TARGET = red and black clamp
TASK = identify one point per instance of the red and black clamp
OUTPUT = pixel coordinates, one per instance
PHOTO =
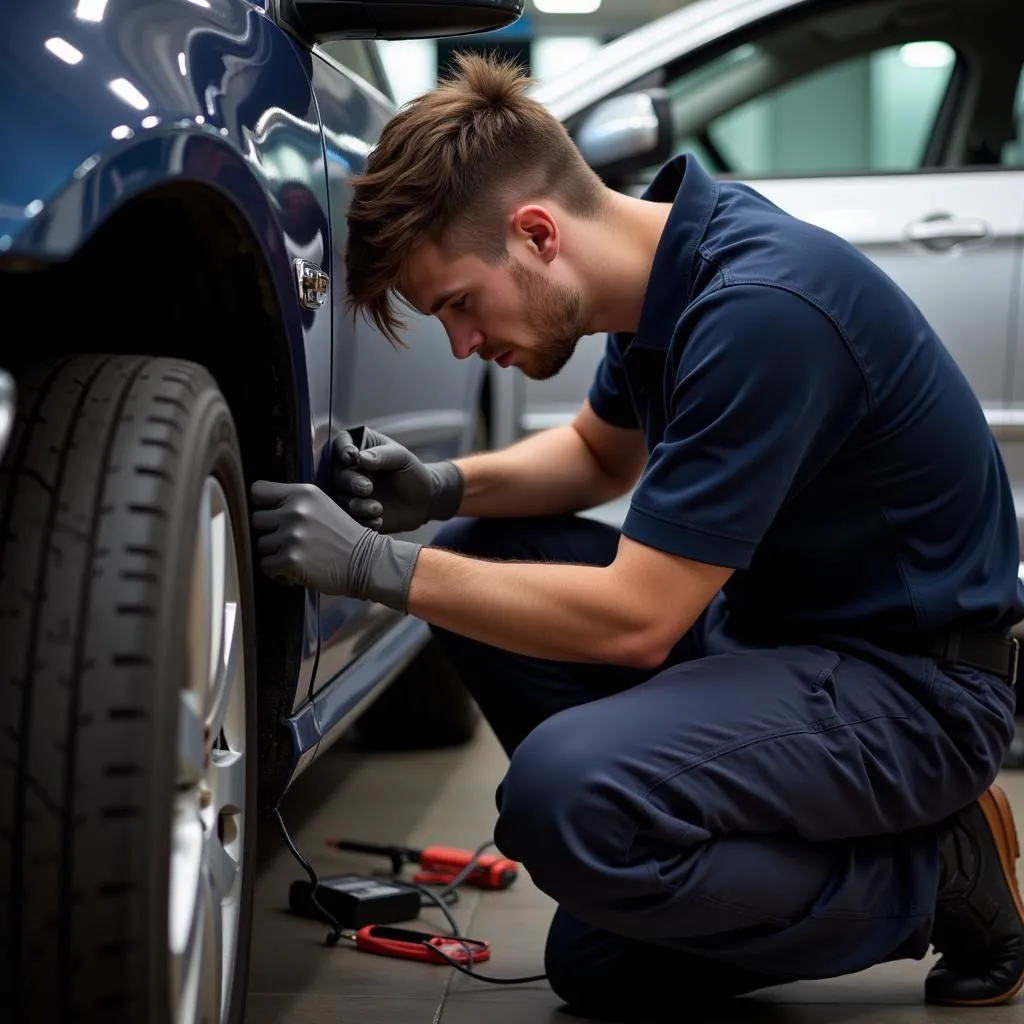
(427, 947)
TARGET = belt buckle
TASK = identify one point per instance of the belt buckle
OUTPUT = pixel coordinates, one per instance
(1015, 643)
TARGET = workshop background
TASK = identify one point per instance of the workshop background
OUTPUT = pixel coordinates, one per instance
(209, 146)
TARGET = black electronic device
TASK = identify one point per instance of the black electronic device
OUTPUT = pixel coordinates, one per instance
(356, 900)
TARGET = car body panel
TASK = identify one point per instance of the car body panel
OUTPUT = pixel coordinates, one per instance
(213, 93)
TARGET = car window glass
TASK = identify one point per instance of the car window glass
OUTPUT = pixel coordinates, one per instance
(1013, 152)
(356, 55)
(869, 113)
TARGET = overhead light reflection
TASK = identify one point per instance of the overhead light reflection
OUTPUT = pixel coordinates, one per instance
(567, 6)
(181, 65)
(63, 50)
(90, 10)
(33, 208)
(122, 131)
(151, 121)
(124, 90)
(929, 53)
(200, 3)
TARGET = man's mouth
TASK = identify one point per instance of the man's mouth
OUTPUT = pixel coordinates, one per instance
(505, 358)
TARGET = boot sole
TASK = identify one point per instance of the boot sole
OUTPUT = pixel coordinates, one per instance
(999, 816)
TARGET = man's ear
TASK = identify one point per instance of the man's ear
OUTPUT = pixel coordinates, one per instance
(536, 228)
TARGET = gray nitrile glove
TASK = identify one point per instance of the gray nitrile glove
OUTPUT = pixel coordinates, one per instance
(306, 540)
(384, 486)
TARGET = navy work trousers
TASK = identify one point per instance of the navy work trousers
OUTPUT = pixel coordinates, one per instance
(744, 816)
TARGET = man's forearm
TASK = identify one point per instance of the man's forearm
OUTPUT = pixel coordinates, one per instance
(546, 474)
(561, 612)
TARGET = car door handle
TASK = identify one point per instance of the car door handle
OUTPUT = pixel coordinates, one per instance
(942, 232)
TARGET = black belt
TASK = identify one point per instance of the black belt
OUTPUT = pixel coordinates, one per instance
(987, 652)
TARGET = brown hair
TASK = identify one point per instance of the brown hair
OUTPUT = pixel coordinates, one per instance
(446, 169)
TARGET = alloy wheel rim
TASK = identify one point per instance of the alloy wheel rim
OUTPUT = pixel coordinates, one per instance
(208, 817)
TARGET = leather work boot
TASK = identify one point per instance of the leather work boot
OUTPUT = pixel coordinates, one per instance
(979, 918)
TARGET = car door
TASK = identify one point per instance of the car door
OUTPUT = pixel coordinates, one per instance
(952, 242)
(420, 395)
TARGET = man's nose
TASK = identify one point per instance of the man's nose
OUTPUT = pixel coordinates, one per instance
(465, 341)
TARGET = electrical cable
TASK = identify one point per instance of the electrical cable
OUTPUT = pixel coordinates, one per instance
(468, 869)
(437, 899)
(457, 934)
(334, 937)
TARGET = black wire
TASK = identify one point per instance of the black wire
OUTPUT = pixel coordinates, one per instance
(468, 869)
(484, 977)
(437, 901)
(457, 934)
(333, 937)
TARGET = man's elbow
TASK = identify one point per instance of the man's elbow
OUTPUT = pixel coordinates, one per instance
(642, 648)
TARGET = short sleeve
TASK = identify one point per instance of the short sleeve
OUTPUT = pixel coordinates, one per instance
(609, 393)
(766, 391)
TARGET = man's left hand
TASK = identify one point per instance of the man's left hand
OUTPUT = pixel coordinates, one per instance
(305, 539)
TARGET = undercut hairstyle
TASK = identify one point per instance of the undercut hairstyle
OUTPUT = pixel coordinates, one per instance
(448, 169)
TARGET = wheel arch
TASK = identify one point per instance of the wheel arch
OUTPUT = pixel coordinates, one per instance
(183, 255)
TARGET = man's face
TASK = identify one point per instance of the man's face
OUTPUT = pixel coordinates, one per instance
(509, 313)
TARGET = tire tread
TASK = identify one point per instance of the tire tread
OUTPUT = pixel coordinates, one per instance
(84, 490)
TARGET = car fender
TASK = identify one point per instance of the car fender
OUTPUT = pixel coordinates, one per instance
(208, 93)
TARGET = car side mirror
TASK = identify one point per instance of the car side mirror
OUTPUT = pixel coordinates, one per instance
(319, 21)
(626, 133)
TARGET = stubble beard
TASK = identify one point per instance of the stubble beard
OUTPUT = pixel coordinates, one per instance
(554, 318)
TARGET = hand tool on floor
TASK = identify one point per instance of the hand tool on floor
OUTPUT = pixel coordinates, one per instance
(409, 944)
(441, 865)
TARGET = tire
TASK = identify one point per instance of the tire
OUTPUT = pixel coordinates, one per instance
(113, 801)
(426, 707)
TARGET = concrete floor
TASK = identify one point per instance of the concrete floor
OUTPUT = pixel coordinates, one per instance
(448, 797)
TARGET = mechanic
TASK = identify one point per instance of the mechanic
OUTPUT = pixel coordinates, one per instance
(753, 734)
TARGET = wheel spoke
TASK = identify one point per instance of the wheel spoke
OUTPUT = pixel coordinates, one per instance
(213, 959)
(186, 907)
(187, 838)
(218, 527)
(227, 679)
(224, 871)
(227, 780)
(201, 612)
(191, 741)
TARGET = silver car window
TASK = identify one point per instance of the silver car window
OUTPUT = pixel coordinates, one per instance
(754, 114)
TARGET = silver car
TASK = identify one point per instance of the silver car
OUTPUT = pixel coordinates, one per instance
(894, 123)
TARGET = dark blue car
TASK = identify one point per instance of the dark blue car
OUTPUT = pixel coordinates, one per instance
(174, 178)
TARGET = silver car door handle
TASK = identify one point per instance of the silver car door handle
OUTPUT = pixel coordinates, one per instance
(941, 233)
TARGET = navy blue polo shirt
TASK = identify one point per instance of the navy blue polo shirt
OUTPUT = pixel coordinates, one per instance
(806, 427)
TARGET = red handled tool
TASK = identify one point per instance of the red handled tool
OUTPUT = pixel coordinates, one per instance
(426, 947)
(441, 864)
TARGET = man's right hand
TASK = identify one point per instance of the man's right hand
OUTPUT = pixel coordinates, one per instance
(384, 486)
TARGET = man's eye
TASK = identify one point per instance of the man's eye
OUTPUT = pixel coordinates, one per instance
(459, 303)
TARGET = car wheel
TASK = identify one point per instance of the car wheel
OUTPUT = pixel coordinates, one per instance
(127, 697)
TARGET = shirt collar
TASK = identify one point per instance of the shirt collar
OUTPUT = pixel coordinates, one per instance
(693, 194)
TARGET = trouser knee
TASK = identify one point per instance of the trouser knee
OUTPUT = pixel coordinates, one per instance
(559, 816)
